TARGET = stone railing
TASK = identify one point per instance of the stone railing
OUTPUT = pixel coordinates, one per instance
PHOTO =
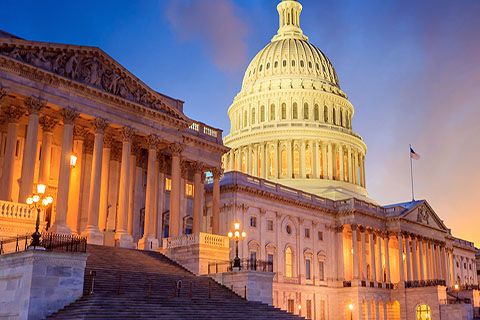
(202, 130)
(14, 210)
(196, 239)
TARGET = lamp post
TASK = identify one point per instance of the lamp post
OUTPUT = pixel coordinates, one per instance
(457, 288)
(236, 235)
(350, 306)
(38, 201)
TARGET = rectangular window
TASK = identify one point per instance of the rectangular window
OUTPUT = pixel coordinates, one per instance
(270, 262)
(309, 309)
(290, 305)
(253, 221)
(307, 269)
(320, 235)
(168, 184)
(253, 260)
(322, 309)
(270, 225)
(189, 189)
(307, 233)
(321, 270)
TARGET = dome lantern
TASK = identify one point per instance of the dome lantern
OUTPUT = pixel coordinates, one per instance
(289, 18)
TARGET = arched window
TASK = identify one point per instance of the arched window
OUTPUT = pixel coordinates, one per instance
(308, 162)
(293, 63)
(320, 157)
(272, 163)
(288, 263)
(316, 115)
(345, 165)
(295, 111)
(305, 111)
(296, 161)
(284, 111)
(244, 163)
(302, 64)
(245, 118)
(423, 312)
(272, 112)
(261, 67)
(253, 115)
(337, 165)
(284, 157)
(325, 114)
(262, 113)
(275, 64)
(334, 118)
(268, 65)
(284, 63)
(188, 225)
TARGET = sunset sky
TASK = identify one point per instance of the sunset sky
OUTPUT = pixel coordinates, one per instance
(410, 68)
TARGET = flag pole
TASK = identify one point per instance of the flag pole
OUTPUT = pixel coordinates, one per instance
(411, 170)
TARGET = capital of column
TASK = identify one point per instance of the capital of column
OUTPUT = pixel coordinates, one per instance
(107, 141)
(176, 148)
(184, 165)
(116, 153)
(79, 133)
(217, 173)
(362, 229)
(197, 166)
(89, 144)
(34, 105)
(127, 134)
(14, 114)
(162, 163)
(48, 123)
(99, 125)
(354, 226)
(338, 229)
(136, 149)
(69, 115)
(3, 93)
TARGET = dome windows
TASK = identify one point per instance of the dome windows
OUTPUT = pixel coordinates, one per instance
(325, 114)
(310, 64)
(262, 114)
(305, 111)
(261, 68)
(268, 65)
(316, 113)
(253, 115)
(318, 66)
(272, 112)
(295, 111)
(293, 63)
(275, 65)
(284, 63)
(284, 111)
(302, 64)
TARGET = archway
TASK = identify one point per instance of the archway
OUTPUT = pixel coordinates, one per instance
(395, 310)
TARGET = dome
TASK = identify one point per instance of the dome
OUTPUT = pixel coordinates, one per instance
(291, 123)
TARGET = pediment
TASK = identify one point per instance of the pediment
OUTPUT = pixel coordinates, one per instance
(92, 67)
(423, 214)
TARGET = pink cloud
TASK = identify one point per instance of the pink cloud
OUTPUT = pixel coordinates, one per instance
(215, 23)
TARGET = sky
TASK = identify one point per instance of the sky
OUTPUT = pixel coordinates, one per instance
(410, 68)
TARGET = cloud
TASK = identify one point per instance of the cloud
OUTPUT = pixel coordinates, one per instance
(215, 23)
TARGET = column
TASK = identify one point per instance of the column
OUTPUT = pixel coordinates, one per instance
(135, 152)
(324, 161)
(289, 159)
(255, 161)
(104, 181)
(34, 106)
(13, 116)
(302, 159)
(197, 196)
(356, 265)
(149, 241)
(263, 162)
(434, 262)
(380, 262)
(409, 257)
(349, 160)
(330, 161)
(276, 167)
(342, 164)
(174, 223)
(79, 134)
(373, 269)
(217, 174)
(122, 237)
(239, 157)
(161, 169)
(364, 254)
(447, 270)
(427, 258)
(363, 172)
(231, 160)
(439, 263)
(47, 124)
(92, 232)
(377, 309)
(249, 160)
(387, 259)
(400, 258)
(60, 223)
(415, 259)
(341, 264)
(420, 246)
(316, 160)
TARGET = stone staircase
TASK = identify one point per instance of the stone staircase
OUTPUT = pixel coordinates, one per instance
(135, 284)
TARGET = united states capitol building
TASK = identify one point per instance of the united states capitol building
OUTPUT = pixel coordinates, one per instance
(291, 170)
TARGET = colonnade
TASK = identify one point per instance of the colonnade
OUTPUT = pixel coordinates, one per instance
(299, 159)
(71, 177)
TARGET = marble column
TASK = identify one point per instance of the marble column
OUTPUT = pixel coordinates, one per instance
(174, 222)
(364, 254)
(447, 270)
(122, 237)
(373, 269)
(380, 262)
(48, 124)
(255, 161)
(92, 232)
(217, 174)
(239, 157)
(324, 161)
(330, 161)
(387, 258)
(434, 262)
(427, 259)
(289, 159)
(302, 159)
(356, 265)
(149, 240)
(34, 106)
(415, 259)
(249, 159)
(276, 171)
(401, 268)
(349, 160)
(231, 160)
(79, 134)
(409, 257)
(135, 152)
(420, 247)
(197, 196)
(13, 117)
(60, 223)
(316, 160)
(342, 163)
(341, 263)
(104, 182)
(439, 264)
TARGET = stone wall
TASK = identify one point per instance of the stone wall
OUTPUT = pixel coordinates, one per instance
(36, 283)
(456, 312)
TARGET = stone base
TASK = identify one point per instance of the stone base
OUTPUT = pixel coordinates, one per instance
(149, 243)
(93, 235)
(60, 229)
(109, 238)
(124, 240)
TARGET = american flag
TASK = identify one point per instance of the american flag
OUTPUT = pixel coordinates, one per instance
(413, 154)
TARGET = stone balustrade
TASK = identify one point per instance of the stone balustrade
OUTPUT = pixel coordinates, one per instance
(196, 239)
(14, 210)
(202, 130)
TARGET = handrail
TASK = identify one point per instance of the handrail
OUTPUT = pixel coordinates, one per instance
(50, 241)
(245, 264)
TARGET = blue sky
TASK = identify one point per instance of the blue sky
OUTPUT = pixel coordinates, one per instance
(410, 68)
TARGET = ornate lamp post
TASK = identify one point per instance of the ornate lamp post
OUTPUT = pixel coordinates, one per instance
(237, 235)
(350, 306)
(38, 201)
(457, 288)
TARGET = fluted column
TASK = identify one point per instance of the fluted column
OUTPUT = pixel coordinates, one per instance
(379, 259)
(217, 174)
(387, 258)
(342, 164)
(263, 162)
(427, 259)
(324, 161)
(255, 161)
(439, 264)
(364, 253)
(401, 268)
(249, 160)
(373, 269)
(239, 157)
(302, 159)
(13, 116)
(409, 257)
(34, 106)
(197, 196)
(60, 223)
(92, 232)
(174, 223)
(316, 160)
(330, 161)
(276, 167)
(104, 182)
(447, 266)
(434, 262)
(420, 247)
(356, 265)
(135, 152)
(79, 134)
(47, 124)
(122, 237)
(349, 160)
(341, 263)
(289, 159)
(415, 259)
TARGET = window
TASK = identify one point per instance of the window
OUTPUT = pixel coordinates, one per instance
(296, 161)
(168, 184)
(290, 305)
(253, 115)
(261, 67)
(270, 225)
(341, 118)
(295, 111)
(245, 119)
(307, 233)
(308, 162)
(275, 64)
(284, 158)
(320, 235)
(284, 63)
(305, 111)
(288, 229)
(253, 221)
(318, 66)
(334, 118)
(189, 189)
(272, 163)
(293, 63)
(302, 63)
(316, 115)
(423, 312)
(309, 309)
(321, 270)
(307, 269)
(288, 263)
(262, 113)
(310, 64)
(284, 111)
(253, 258)
(268, 65)
(272, 112)
(270, 262)
(325, 114)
